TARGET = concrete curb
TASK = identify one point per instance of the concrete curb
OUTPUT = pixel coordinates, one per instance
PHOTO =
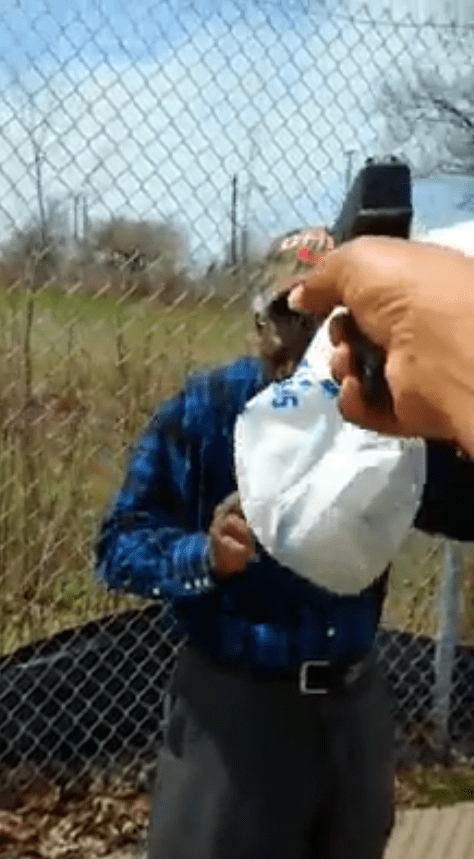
(433, 833)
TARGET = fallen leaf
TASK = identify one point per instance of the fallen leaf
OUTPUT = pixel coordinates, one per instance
(13, 827)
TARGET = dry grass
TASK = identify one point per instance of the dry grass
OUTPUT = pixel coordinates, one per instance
(412, 602)
(80, 373)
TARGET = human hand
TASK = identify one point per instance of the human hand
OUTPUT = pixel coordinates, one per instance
(416, 300)
(232, 543)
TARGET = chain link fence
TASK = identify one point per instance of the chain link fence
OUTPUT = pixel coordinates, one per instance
(148, 156)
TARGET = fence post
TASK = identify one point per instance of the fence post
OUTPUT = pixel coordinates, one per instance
(446, 639)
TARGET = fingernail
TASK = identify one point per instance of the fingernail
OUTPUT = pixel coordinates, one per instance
(294, 298)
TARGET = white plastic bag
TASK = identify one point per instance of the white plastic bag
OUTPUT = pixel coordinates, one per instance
(329, 500)
(459, 237)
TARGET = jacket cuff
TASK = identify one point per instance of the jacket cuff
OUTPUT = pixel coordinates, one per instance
(191, 563)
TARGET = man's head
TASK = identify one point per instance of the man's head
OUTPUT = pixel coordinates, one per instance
(284, 334)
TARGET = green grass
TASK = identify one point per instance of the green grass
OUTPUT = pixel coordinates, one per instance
(80, 373)
(434, 786)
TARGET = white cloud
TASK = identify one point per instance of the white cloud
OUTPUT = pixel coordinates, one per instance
(164, 138)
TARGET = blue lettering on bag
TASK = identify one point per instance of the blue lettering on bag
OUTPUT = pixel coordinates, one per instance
(329, 388)
(285, 397)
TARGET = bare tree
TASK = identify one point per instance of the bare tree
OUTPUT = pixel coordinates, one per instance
(151, 257)
(38, 244)
(430, 120)
(40, 111)
(136, 244)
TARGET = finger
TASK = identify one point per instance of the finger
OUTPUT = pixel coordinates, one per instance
(340, 327)
(343, 326)
(342, 362)
(236, 528)
(355, 410)
(320, 290)
(233, 503)
(230, 504)
(239, 551)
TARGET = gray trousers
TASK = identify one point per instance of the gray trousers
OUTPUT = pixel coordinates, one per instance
(256, 770)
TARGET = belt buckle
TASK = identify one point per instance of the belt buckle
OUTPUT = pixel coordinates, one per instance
(303, 678)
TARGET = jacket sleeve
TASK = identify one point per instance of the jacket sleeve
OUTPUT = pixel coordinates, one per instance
(147, 543)
(447, 504)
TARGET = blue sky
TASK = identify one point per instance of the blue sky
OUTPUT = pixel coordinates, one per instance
(149, 108)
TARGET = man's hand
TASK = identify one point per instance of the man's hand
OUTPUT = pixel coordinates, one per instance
(232, 541)
(416, 300)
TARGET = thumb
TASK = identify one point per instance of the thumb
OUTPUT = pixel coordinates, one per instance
(321, 290)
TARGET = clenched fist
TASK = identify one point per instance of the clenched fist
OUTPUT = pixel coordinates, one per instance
(232, 543)
(415, 300)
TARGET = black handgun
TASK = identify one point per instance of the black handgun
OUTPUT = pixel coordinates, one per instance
(379, 203)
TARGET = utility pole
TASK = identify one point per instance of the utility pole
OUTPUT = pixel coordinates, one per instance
(244, 244)
(85, 218)
(349, 153)
(77, 198)
(39, 193)
(447, 639)
(233, 223)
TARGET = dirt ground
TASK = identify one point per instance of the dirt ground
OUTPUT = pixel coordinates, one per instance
(110, 822)
(101, 824)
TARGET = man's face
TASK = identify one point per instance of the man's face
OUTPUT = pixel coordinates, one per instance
(283, 336)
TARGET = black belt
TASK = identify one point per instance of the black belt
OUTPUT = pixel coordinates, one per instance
(316, 677)
(312, 677)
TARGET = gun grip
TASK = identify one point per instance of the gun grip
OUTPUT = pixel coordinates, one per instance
(370, 362)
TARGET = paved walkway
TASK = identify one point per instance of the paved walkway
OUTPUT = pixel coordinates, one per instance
(434, 833)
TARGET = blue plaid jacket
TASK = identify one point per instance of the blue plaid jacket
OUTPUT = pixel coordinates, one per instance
(153, 540)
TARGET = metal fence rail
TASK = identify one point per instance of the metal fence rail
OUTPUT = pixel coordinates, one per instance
(148, 153)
